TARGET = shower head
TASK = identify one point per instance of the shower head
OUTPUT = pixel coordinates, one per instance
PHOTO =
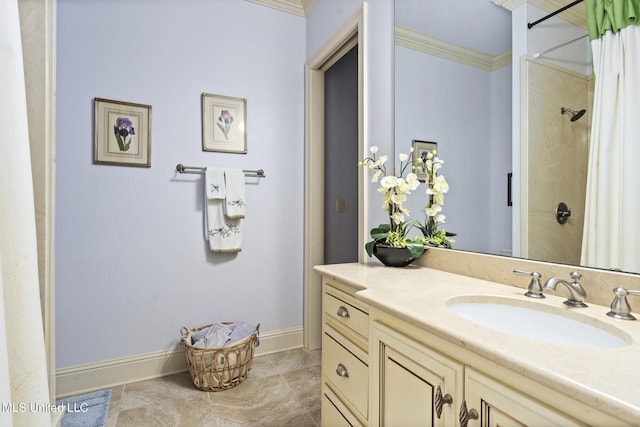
(575, 115)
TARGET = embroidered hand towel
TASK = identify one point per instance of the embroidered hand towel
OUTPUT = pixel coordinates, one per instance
(223, 234)
(235, 194)
(214, 184)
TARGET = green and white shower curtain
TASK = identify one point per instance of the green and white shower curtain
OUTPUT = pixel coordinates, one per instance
(612, 213)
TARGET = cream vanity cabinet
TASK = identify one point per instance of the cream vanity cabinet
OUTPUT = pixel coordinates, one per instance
(414, 384)
(345, 356)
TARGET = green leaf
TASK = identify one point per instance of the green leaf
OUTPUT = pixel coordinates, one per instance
(120, 142)
(384, 227)
(380, 232)
(379, 236)
(369, 247)
(416, 249)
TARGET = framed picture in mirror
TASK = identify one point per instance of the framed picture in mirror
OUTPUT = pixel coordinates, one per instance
(420, 150)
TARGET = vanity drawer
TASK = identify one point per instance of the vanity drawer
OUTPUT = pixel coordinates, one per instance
(347, 374)
(335, 414)
(344, 309)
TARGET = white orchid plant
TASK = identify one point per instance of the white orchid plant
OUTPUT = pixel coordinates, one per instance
(394, 189)
(437, 185)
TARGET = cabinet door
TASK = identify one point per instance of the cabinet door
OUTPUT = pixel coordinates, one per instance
(415, 386)
(499, 405)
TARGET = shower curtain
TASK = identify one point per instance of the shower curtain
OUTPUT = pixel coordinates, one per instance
(612, 211)
(24, 392)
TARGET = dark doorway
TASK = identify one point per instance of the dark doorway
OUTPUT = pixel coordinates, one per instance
(341, 160)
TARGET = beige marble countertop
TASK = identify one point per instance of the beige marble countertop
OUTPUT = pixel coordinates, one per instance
(607, 379)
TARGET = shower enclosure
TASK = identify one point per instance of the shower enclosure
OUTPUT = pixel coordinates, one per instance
(555, 148)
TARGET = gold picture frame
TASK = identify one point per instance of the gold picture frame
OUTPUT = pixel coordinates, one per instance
(420, 148)
(224, 121)
(122, 133)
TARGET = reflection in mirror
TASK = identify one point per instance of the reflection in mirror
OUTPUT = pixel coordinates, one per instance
(456, 83)
(453, 86)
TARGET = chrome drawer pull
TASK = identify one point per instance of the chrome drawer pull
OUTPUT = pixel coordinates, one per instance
(342, 371)
(440, 400)
(343, 312)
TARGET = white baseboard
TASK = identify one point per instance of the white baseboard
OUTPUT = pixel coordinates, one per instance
(110, 373)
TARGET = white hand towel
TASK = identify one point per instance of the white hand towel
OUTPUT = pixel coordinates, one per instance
(214, 184)
(234, 207)
(223, 234)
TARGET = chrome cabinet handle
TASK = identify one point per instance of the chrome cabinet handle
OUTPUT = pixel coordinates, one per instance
(440, 400)
(342, 371)
(466, 415)
(343, 312)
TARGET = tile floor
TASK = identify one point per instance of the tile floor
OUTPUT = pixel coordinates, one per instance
(282, 389)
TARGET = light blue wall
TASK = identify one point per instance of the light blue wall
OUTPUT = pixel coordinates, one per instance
(500, 142)
(467, 111)
(324, 19)
(132, 265)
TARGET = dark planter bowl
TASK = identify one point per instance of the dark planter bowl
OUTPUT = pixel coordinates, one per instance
(393, 257)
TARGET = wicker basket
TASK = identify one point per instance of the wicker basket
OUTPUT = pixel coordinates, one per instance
(214, 369)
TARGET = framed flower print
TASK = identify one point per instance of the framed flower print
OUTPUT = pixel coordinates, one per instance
(420, 150)
(223, 123)
(122, 133)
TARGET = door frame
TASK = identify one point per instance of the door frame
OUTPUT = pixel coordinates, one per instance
(38, 31)
(350, 34)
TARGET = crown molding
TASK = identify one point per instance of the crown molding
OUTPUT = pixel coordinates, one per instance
(576, 15)
(501, 60)
(307, 5)
(415, 40)
(295, 7)
(509, 4)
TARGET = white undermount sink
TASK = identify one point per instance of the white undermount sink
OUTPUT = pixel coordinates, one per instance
(538, 321)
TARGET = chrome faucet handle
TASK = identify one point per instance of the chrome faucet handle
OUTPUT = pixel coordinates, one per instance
(535, 289)
(575, 275)
(620, 308)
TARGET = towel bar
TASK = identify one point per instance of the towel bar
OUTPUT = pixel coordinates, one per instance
(200, 170)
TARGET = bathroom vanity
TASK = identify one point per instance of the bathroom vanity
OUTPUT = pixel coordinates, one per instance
(395, 352)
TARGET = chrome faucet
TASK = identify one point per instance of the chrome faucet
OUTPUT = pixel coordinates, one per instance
(574, 291)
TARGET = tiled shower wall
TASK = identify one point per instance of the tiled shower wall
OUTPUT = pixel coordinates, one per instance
(558, 151)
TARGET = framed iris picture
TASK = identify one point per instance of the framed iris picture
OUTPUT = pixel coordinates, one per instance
(122, 133)
(224, 121)
(420, 150)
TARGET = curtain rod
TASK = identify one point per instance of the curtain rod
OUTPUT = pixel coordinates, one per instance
(562, 9)
(200, 170)
(539, 54)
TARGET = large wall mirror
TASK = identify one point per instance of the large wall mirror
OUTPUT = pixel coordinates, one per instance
(499, 98)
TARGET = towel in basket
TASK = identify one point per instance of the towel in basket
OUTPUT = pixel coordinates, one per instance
(219, 368)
